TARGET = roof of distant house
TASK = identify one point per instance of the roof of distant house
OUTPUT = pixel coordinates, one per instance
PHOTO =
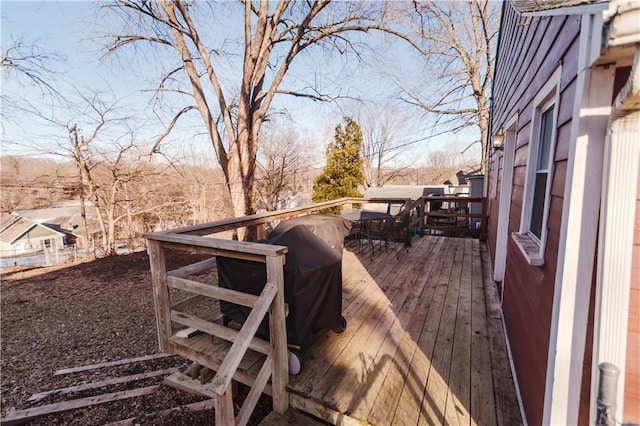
(12, 227)
(47, 215)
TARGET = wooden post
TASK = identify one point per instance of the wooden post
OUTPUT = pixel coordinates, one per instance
(224, 408)
(422, 215)
(160, 293)
(261, 231)
(483, 222)
(278, 336)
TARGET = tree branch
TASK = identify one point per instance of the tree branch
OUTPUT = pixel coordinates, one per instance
(170, 127)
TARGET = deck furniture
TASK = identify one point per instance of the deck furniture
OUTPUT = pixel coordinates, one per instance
(392, 229)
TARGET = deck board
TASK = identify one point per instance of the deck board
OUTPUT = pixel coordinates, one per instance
(365, 350)
(399, 392)
(417, 349)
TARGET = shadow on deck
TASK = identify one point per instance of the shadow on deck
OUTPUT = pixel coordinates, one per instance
(424, 342)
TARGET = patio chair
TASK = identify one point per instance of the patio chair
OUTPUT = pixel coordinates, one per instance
(389, 230)
(355, 234)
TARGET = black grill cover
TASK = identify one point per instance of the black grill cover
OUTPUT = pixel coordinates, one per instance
(312, 283)
(330, 228)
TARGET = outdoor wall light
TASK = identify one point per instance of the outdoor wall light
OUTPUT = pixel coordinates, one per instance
(498, 141)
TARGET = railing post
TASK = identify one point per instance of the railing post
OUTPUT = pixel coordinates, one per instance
(422, 216)
(483, 221)
(160, 292)
(278, 336)
(607, 394)
(223, 405)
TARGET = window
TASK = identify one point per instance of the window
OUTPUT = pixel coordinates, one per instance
(539, 176)
(542, 173)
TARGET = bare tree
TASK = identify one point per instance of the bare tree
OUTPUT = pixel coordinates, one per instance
(108, 161)
(283, 163)
(118, 179)
(456, 40)
(275, 33)
(383, 146)
(28, 60)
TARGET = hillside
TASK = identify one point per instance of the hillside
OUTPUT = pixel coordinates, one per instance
(96, 312)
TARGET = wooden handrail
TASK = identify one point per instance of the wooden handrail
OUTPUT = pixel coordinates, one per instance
(218, 246)
(226, 333)
(260, 218)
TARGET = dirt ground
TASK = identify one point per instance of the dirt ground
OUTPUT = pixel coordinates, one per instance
(100, 311)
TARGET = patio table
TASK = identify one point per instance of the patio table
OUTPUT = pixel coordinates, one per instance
(362, 220)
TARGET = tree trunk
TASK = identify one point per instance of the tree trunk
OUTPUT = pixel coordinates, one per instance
(483, 124)
(240, 180)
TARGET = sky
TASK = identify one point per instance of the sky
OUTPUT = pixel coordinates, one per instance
(71, 31)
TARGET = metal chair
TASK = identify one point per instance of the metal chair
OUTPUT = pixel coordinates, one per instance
(355, 234)
(394, 229)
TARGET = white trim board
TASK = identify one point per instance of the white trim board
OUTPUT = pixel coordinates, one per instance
(578, 234)
(504, 206)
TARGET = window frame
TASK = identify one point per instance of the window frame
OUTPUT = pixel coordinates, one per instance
(532, 247)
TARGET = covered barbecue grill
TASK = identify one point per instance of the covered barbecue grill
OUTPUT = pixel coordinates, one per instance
(312, 284)
(331, 228)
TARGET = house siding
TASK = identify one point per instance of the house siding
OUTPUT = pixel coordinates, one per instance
(529, 53)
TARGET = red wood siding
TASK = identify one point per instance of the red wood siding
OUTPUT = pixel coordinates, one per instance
(528, 54)
(632, 373)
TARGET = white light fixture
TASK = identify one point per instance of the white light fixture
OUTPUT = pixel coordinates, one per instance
(498, 141)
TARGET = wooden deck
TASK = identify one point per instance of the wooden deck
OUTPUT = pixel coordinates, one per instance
(423, 345)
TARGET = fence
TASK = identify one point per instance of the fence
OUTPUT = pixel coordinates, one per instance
(69, 253)
(44, 257)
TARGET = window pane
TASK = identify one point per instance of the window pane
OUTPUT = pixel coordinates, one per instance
(537, 210)
(544, 146)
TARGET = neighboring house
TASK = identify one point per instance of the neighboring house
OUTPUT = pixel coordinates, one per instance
(461, 177)
(19, 235)
(564, 202)
(66, 219)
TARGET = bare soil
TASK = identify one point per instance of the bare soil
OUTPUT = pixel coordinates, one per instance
(100, 311)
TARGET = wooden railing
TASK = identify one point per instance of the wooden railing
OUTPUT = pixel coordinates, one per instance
(453, 216)
(271, 300)
(172, 316)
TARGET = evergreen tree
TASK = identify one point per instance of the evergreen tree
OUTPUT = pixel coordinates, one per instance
(343, 172)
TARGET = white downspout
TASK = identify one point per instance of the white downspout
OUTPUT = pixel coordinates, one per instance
(620, 180)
